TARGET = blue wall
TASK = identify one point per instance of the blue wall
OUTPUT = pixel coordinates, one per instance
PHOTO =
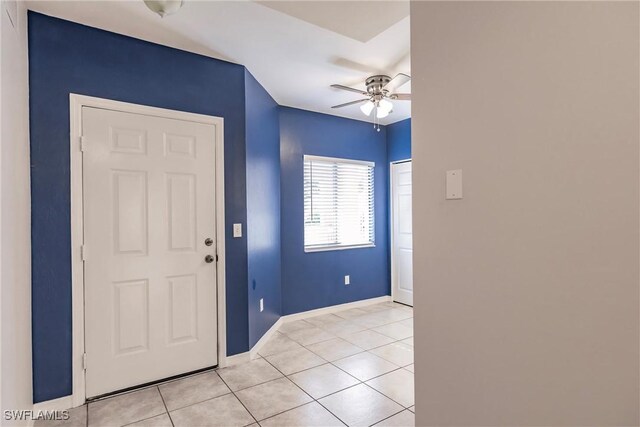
(65, 58)
(263, 208)
(314, 280)
(399, 141)
(264, 145)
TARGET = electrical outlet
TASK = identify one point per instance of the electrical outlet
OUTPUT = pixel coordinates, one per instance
(237, 230)
(261, 304)
(347, 280)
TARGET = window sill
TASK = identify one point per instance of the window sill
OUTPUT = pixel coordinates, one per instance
(337, 248)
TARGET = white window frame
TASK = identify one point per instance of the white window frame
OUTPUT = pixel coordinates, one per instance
(338, 247)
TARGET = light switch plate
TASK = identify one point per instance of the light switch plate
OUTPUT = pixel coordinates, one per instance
(237, 230)
(347, 280)
(261, 304)
(454, 184)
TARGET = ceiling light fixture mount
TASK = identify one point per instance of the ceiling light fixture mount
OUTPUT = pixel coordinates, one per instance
(164, 7)
(380, 90)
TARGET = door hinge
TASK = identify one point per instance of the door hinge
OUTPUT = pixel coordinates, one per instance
(83, 143)
(84, 361)
(83, 252)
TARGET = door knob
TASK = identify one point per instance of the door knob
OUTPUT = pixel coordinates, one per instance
(208, 241)
(209, 259)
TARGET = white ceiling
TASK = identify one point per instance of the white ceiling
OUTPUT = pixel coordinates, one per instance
(294, 49)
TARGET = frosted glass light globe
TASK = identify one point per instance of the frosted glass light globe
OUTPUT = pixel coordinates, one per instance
(164, 7)
(367, 108)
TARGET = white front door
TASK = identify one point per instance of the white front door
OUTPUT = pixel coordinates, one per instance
(149, 206)
(402, 237)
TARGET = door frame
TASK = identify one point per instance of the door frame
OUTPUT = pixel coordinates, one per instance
(76, 102)
(391, 217)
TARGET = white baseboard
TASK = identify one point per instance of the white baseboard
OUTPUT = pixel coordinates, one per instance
(66, 402)
(263, 340)
(312, 313)
(334, 308)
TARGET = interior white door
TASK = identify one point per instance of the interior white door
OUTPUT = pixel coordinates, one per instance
(149, 205)
(402, 236)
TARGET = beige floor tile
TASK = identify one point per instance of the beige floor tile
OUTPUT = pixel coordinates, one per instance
(374, 307)
(126, 408)
(222, 411)
(348, 314)
(396, 385)
(274, 397)
(194, 389)
(406, 308)
(248, 374)
(296, 325)
(323, 380)
(365, 366)
(360, 406)
(407, 322)
(371, 320)
(391, 304)
(408, 341)
(293, 361)
(324, 319)
(403, 419)
(397, 352)
(368, 339)
(309, 415)
(334, 349)
(344, 327)
(157, 421)
(278, 343)
(310, 335)
(77, 418)
(395, 331)
(394, 315)
(337, 337)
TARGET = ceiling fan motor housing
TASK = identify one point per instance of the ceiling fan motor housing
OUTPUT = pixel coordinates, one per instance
(376, 83)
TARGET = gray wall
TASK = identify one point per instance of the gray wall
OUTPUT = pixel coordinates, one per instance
(15, 295)
(527, 289)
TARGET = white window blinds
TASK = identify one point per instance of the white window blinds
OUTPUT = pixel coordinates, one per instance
(338, 203)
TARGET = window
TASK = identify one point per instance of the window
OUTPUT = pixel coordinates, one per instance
(338, 203)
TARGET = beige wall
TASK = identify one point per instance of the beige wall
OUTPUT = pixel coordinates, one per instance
(527, 290)
(15, 295)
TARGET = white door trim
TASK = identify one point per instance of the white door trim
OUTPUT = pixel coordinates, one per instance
(393, 267)
(76, 103)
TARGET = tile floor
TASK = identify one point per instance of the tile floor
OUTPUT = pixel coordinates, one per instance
(353, 367)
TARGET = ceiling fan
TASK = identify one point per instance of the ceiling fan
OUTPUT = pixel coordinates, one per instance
(380, 91)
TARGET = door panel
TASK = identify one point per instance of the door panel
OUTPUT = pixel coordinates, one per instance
(149, 205)
(402, 235)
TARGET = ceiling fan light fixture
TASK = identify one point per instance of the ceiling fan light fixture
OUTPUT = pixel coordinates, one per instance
(367, 108)
(380, 90)
(384, 108)
(163, 7)
(381, 114)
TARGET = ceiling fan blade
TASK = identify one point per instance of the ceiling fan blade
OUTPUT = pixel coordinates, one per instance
(350, 103)
(396, 82)
(401, 96)
(350, 89)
